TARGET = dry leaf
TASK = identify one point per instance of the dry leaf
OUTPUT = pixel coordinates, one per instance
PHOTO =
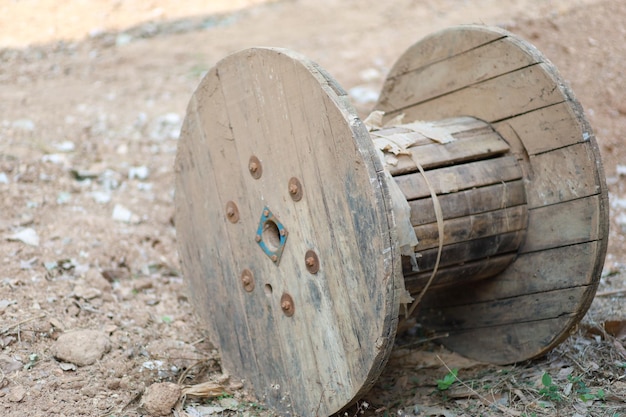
(204, 390)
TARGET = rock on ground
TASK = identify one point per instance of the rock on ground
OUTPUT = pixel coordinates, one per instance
(81, 347)
(160, 398)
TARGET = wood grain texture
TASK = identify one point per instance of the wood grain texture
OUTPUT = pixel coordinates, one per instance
(534, 110)
(460, 177)
(293, 117)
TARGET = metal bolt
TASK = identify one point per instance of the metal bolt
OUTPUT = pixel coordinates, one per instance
(282, 232)
(295, 189)
(247, 279)
(286, 304)
(274, 258)
(255, 168)
(312, 262)
(257, 238)
(232, 212)
(266, 213)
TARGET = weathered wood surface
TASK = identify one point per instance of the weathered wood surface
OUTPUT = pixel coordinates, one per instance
(473, 140)
(489, 74)
(474, 200)
(460, 177)
(293, 117)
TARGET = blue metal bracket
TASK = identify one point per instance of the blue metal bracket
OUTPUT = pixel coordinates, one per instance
(271, 235)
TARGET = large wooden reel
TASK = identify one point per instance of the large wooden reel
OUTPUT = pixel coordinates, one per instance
(287, 230)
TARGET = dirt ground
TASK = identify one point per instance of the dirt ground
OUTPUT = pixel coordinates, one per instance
(92, 96)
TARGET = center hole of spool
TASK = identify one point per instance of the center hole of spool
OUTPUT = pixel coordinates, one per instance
(271, 235)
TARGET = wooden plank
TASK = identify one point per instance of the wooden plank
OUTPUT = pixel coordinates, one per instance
(563, 174)
(568, 223)
(506, 96)
(474, 226)
(547, 128)
(253, 126)
(226, 150)
(202, 235)
(434, 155)
(532, 273)
(511, 343)
(460, 177)
(456, 72)
(430, 49)
(505, 311)
(457, 275)
(475, 200)
(472, 250)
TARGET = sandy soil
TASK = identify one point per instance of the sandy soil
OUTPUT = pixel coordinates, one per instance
(92, 95)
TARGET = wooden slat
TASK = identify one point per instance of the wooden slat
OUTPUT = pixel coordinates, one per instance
(456, 72)
(545, 129)
(460, 177)
(521, 340)
(432, 50)
(463, 203)
(230, 187)
(436, 155)
(458, 275)
(500, 98)
(474, 226)
(252, 131)
(568, 223)
(472, 250)
(563, 174)
(203, 235)
(532, 273)
(528, 307)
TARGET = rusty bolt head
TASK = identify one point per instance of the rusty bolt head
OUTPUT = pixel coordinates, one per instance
(257, 238)
(255, 168)
(295, 189)
(266, 213)
(274, 258)
(247, 279)
(232, 212)
(312, 262)
(286, 304)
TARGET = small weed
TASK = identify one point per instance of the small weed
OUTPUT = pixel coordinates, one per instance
(549, 391)
(448, 380)
(583, 391)
(32, 360)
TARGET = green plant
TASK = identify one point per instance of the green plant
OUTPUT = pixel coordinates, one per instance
(583, 391)
(550, 391)
(447, 381)
(32, 360)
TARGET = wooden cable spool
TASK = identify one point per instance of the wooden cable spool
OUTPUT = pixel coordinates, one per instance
(287, 229)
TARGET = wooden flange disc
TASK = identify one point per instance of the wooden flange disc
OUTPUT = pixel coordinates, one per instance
(489, 74)
(285, 232)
